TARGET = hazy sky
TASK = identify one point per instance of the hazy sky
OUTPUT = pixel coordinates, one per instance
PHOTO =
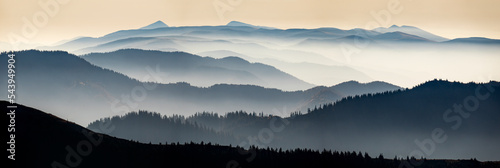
(448, 18)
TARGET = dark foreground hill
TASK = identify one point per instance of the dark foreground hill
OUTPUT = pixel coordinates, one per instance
(43, 140)
(393, 123)
(196, 70)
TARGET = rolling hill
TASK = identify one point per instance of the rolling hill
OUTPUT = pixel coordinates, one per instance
(396, 122)
(196, 70)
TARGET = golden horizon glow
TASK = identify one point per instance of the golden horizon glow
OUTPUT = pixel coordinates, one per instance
(450, 19)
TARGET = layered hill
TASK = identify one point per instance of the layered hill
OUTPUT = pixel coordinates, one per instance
(44, 140)
(66, 84)
(198, 71)
(394, 54)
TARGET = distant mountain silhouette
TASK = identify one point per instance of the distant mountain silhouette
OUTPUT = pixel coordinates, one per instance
(236, 23)
(196, 70)
(65, 144)
(400, 37)
(59, 82)
(155, 25)
(387, 123)
(152, 127)
(475, 40)
(246, 32)
(411, 30)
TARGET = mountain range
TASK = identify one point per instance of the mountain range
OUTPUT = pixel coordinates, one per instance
(396, 122)
(196, 70)
(311, 72)
(59, 82)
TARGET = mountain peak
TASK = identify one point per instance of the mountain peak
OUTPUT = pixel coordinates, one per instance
(157, 24)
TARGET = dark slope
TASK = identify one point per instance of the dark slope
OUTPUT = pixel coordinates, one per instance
(236, 23)
(44, 140)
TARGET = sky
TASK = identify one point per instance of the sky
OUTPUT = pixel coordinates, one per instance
(54, 20)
